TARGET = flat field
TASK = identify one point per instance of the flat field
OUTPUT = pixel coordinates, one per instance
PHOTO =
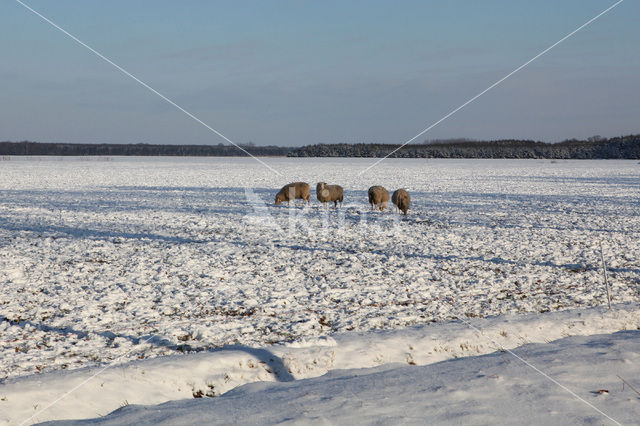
(114, 258)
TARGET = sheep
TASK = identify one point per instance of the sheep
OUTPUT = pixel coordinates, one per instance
(401, 199)
(378, 197)
(293, 191)
(328, 193)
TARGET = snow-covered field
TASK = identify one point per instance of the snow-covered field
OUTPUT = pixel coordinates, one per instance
(105, 259)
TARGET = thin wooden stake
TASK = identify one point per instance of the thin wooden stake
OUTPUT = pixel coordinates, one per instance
(604, 272)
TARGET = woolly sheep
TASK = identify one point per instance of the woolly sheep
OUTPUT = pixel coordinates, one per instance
(293, 191)
(401, 199)
(328, 193)
(378, 197)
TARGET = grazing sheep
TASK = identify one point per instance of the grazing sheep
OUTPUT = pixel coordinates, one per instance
(328, 193)
(293, 191)
(401, 199)
(378, 197)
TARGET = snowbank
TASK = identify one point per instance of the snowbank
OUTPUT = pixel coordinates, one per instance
(491, 389)
(214, 373)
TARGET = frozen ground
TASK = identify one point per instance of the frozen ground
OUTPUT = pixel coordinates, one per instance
(126, 258)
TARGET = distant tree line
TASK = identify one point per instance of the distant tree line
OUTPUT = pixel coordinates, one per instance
(141, 149)
(623, 147)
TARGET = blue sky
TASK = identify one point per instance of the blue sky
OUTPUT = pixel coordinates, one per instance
(301, 72)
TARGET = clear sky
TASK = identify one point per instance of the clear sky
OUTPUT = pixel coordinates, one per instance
(302, 72)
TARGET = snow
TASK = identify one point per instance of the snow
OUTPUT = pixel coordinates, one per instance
(183, 268)
(214, 373)
(490, 389)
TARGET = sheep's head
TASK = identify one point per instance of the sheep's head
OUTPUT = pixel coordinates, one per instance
(321, 188)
